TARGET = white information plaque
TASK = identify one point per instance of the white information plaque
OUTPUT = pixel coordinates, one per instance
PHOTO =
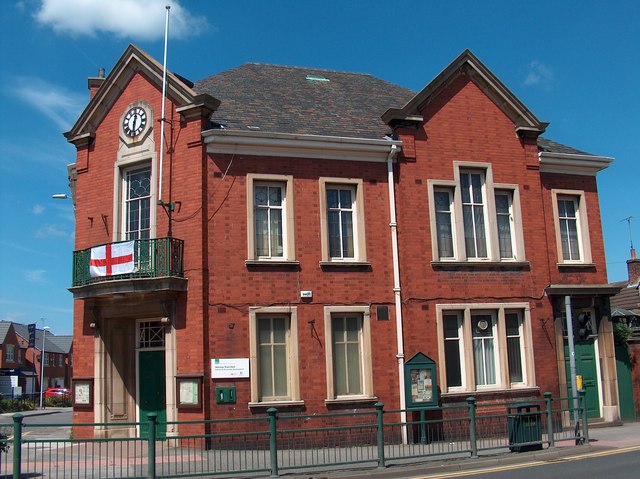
(224, 368)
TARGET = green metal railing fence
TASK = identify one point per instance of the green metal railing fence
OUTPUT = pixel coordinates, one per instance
(153, 258)
(271, 443)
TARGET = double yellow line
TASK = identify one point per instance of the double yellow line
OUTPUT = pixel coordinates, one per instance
(511, 467)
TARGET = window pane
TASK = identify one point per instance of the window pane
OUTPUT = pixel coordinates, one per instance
(340, 228)
(443, 224)
(503, 219)
(137, 208)
(266, 367)
(262, 232)
(353, 369)
(276, 233)
(347, 234)
(273, 357)
(483, 349)
(514, 347)
(347, 360)
(452, 351)
(333, 219)
(268, 217)
(280, 370)
(332, 198)
(568, 221)
(481, 241)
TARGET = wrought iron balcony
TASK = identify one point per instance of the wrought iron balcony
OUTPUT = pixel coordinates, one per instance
(152, 258)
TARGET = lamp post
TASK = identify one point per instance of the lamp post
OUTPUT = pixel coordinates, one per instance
(44, 335)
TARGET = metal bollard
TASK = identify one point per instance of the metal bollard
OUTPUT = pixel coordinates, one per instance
(471, 403)
(550, 436)
(151, 439)
(273, 444)
(380, 436)
(17, 445)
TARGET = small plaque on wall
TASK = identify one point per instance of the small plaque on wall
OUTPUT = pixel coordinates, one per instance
(83, 393)
(188, 392)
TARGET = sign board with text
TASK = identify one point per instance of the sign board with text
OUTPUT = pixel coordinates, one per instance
(229, 368)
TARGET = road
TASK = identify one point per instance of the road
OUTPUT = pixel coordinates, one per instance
(46, 423)
(618, 464)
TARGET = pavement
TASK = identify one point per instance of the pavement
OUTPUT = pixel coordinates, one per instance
(603, 439)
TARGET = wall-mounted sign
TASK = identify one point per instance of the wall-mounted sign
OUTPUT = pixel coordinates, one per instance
(225, 368)
(188, 389)
(82, 393)
(421, 382)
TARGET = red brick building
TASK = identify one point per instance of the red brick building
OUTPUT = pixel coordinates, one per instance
(305, 232)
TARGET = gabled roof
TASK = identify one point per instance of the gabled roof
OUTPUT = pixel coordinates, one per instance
(297, 100)
(133, 60)
(5, 326)
(50, 345)
(62, 342)
(468, 64)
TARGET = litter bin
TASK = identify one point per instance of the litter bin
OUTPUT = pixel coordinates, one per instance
(525, 433)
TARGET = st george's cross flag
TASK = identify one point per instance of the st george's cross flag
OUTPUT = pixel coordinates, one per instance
(110, 259)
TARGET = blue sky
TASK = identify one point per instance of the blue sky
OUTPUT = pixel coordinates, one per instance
(575, 64)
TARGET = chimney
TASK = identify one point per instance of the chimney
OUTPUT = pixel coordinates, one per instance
(95, 83)
(633, 266)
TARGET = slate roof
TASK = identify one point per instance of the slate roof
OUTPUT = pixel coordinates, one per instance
(549, 146)
(49, 345)
(281, 99)
(273, 98)
(628, 297)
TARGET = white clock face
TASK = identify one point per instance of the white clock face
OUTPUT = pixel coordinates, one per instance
(134, 122)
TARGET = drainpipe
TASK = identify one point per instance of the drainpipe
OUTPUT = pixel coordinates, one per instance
(396, 287)
(572, 351)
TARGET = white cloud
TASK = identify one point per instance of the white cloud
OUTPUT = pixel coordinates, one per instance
(136, 19)
(37, 210)
(55, 102)
(52, 231)
(538, 74)
(34, 275)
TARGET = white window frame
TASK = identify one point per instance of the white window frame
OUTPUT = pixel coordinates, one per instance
(288, 236)
(582, 226)
(126, 200)
(359, 242)
(473, 204)
(498, 310)
(365, 352)
(489, 189)
(510, 217)
(293, 378)
(450, 192)
(9, 353)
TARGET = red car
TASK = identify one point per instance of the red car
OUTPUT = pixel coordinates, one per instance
(57, 392)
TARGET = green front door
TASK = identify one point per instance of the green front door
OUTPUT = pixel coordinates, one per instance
(625, 384)
(587, 367)
(152, 387)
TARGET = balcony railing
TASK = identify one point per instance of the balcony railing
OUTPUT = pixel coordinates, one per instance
(153, 258)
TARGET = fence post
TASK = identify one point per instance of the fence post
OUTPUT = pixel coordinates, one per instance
(471, 403)
(380, 436)
(152, 417)
(273, 445)
(550, 436)
(17, 445)
(583, 410)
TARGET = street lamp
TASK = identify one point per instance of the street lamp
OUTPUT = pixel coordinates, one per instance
(44, 335)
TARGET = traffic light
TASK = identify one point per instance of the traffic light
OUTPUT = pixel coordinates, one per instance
(582, 326)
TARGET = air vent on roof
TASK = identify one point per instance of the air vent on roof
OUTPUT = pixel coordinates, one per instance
(317, 78)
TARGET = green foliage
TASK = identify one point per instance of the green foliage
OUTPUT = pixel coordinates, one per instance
(15, 405)
(622, 334)
(57, 401)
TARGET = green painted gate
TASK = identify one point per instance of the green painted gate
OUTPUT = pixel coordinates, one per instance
(587, 367)
(625, 384)
(152, 387)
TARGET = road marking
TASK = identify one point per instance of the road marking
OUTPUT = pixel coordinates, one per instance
(511, 467)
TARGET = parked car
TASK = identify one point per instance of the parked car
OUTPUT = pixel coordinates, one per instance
(57, 392)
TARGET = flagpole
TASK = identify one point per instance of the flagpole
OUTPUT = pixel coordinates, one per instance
(164, 94)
